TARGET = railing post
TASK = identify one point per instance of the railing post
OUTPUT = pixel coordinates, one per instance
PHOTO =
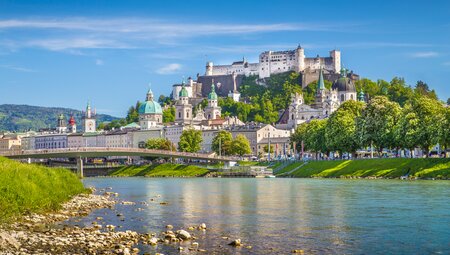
(80, 167)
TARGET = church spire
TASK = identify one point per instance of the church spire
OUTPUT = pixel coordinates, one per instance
(320, 83)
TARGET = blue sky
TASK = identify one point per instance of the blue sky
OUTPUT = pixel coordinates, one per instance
(64, 53)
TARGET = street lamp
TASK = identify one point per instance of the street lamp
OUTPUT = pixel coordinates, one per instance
(268, 148)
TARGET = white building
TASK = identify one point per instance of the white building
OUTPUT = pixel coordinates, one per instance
(50, 141)
(272, 62)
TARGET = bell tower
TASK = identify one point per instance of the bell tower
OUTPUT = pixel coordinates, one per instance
(89, 124)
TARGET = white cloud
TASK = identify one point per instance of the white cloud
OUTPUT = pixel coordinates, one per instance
(64, 34)
(169, 69)
(446, 63)
(18, 68)
(171, 29)
(99, 62)
(424, 54)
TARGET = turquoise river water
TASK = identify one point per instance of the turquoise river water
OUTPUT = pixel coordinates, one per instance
(276, 216)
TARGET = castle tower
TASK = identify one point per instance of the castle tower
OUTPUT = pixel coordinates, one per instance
(336, 56)
(183, 112)
(209, 68)
(61, 127)
(89, 125)
(72, 125)
(212, 111)
(300, 58)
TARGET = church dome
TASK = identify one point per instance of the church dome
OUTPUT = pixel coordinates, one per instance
(212, 95)
(344, 84)
(150, 107)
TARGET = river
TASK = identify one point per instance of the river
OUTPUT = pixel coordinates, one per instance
(276, 216)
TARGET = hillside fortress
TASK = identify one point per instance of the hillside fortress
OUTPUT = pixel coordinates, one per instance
(273, 62)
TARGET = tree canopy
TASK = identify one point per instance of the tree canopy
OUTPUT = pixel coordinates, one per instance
(221, 143)
(241, 145)
(190, 140)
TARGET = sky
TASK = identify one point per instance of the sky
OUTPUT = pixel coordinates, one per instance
(64, 53)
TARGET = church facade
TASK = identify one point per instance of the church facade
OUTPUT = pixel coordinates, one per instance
(326, 102)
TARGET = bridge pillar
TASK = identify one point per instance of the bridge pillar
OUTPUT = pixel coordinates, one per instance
(80, 167)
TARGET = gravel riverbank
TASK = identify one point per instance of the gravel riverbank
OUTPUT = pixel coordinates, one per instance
(50, 234)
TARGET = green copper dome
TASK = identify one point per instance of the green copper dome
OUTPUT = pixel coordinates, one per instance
(150, 106)
(183, 92)
(212, 95)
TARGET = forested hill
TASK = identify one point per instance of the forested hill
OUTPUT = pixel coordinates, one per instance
(25, 117)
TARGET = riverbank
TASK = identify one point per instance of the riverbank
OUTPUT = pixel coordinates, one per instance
(160, 170)
(438, 168)
(47, 234)
(28, 188)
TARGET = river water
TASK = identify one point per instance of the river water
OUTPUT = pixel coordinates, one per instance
(276, 216)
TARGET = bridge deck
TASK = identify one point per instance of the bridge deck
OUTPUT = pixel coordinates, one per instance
(104, 152)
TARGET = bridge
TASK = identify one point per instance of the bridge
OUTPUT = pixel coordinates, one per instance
(94, 152)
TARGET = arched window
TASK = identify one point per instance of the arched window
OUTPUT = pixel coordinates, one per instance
(179, 114)
(342, 98)
(292, 116)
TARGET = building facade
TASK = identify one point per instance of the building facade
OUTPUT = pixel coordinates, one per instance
(273, 62)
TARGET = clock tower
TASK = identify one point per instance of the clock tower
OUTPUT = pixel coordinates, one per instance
(89, 125)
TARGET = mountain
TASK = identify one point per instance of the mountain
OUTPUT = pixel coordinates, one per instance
(25, 117)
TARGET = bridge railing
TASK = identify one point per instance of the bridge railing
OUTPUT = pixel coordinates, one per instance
(163, 153)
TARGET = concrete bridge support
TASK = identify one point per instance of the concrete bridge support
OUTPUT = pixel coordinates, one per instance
(80, 167)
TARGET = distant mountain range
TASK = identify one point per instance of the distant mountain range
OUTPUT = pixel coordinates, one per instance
(22, 118)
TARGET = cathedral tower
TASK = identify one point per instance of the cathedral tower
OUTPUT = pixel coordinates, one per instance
(212, 111)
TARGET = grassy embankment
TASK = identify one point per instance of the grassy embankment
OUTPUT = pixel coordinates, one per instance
(388, 168)
(28, 188)
(161, 170)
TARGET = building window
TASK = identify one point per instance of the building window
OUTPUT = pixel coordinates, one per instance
(342, 98)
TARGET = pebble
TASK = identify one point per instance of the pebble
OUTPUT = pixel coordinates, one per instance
(236, 242)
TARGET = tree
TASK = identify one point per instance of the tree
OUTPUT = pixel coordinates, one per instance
(241, 145)
(448, 101)
(377, 123)
(398, 92)
(315, 136)
(266, 148)
(169, 114)
(423, 90)
(420, 124)
(445, 129)
(160, 144)
(190, 140)
(300, 136)
(370, 88)
(340, 131)
(221, 143)
(133, 114)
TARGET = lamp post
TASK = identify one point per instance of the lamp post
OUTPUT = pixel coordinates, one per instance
(268, 148)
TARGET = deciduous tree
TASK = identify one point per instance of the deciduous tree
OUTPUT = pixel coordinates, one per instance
(190, 140)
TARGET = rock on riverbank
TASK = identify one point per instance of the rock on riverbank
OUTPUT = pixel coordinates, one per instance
(40, 233)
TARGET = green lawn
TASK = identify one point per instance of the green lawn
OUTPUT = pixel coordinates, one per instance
(32, 188)
(389, 168)
(161, 170)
